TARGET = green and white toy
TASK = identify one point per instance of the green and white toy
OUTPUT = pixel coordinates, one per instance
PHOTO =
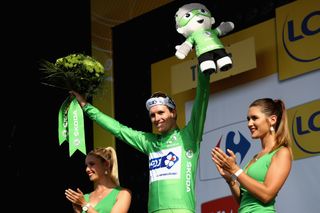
(194, 22)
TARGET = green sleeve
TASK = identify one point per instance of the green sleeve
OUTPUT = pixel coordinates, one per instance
(199, 108)
(137, 139)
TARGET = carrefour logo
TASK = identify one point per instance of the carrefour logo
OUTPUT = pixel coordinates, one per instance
(240, 147)
(301, 32)
(165, 161)
(234, 136)
(305, 129)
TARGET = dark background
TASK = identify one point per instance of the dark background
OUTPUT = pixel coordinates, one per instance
(37, 170)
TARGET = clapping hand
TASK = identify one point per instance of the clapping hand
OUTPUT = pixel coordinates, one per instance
(225, 164)
(76, 198)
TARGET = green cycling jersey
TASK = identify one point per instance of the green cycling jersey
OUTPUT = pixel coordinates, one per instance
(173, 157)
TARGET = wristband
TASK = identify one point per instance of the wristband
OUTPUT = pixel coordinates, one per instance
(85, 208)
(236, 174)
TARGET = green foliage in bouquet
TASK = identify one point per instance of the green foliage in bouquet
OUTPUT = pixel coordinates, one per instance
(77, 72)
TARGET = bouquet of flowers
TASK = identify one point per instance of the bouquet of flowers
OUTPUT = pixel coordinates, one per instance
(77, 72)
(80, 73)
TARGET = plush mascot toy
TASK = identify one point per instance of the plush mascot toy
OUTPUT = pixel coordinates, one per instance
(194, 22)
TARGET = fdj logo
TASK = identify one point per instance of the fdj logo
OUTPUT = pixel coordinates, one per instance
(242, 147)
(165, 161)
(302, 34)
(306, 133)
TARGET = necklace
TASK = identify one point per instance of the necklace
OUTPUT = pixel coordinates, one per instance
(256, 157)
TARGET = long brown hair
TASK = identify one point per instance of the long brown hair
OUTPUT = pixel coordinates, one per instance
(276, 107)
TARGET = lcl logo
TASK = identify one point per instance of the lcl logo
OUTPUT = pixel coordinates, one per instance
(304, 127)
(302, 34)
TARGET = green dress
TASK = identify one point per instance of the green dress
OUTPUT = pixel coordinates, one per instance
(258, 171)
(106, 204)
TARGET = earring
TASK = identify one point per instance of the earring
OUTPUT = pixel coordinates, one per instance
(271, 128)
(106, 172)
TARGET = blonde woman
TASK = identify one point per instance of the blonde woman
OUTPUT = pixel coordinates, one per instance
(108, 196)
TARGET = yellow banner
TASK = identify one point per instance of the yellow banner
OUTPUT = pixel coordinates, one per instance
(104, 100)
(183, 74)
(298, 38)
(304, 124)
(261, 38)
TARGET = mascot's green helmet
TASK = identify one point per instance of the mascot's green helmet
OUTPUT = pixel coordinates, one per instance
(187, 8)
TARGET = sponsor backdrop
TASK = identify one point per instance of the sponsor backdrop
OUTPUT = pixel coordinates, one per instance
(298, 36)
(226, 126)
(285, 66)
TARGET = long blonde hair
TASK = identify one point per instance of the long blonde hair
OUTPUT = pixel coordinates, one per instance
(108, 154)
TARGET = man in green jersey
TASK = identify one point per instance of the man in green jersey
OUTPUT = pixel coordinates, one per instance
(173, 152)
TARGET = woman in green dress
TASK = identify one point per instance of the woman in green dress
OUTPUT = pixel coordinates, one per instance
(255, 187)
(108, 196)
